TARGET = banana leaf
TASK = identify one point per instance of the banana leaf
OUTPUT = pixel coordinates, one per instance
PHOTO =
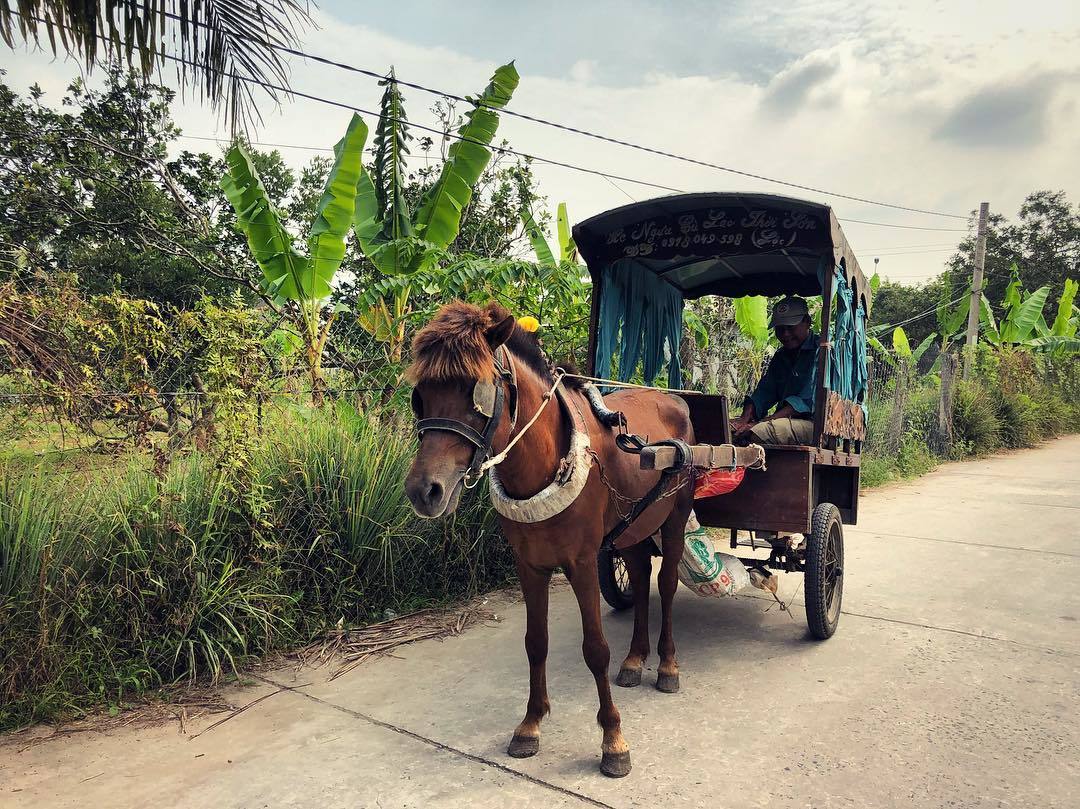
(567, 248)
(1064, 325)
(1055, 344)
(334, 214)
(752, 317)
(282, 265)
(878, 346)
(986, 319)
(1012, 291)
(1022, 317)
(439, 216)
(955, 320)
(536, 238)
(900, 343)
(917, 354)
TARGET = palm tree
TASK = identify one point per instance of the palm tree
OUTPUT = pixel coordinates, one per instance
(227, 51)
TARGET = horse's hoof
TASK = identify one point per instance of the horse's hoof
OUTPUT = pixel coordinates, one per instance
(668, 683)
(524, 746)
(628, 678)
(615, 765)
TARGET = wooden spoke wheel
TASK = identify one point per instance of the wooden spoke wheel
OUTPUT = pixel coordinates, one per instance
(824, 583)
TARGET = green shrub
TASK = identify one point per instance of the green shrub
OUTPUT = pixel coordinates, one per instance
(1019, 419)
(976, 428)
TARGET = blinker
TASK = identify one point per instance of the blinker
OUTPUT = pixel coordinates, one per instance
(484, 398)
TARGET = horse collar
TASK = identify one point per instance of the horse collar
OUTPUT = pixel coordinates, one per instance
(570, 478)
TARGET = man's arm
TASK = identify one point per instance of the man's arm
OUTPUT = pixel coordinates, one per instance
(757, 404)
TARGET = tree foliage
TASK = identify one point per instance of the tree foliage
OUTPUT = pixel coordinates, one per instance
(225, 50)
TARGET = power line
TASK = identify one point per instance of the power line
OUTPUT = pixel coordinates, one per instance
(928, 312)
(433, 130)
(545, 122)
(904, 227)
(908, 252)
(283, 145)
(909, 246)
(504, 150)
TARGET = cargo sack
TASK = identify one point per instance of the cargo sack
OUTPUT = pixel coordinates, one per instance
(718, 481)
(705, 571)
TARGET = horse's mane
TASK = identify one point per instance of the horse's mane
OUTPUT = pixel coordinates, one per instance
(453, 346)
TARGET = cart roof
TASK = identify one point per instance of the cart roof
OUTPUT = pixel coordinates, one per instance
(729, 243)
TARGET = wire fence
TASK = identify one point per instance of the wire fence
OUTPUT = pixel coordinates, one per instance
(900, 394)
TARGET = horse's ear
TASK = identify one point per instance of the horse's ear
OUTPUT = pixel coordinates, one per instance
(500, 332)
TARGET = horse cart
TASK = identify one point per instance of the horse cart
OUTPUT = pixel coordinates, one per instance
(646, 260)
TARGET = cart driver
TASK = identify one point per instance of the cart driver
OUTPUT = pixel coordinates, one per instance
(787, 385)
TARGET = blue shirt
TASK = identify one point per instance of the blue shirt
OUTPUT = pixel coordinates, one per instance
(789, 380)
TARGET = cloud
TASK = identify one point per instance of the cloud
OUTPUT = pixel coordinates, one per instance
(789, 90)
(1010, 115)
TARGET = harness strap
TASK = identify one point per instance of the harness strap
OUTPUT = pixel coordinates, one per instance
(451, 426)
(633, 445)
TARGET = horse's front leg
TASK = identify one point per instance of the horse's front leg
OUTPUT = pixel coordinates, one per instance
(639, 567)
(615, 760)
(672, 533)
(534, 586)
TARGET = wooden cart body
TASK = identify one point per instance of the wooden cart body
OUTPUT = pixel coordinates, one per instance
(737, 244)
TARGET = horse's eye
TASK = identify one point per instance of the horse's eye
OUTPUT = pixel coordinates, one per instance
(417, 404)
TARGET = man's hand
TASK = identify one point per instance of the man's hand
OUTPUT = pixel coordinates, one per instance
(742, 425)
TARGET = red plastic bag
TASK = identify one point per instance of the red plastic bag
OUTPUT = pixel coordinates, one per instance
(718, 481)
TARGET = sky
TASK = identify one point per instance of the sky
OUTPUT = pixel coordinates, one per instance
(929, 105)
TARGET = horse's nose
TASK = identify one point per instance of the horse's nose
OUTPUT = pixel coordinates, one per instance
(427, 495)
(434, 493)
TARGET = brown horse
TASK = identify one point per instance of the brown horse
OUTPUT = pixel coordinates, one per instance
(456, 357)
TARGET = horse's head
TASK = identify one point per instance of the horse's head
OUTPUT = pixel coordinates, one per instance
(463, 398)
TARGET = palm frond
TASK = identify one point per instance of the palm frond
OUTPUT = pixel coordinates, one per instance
(225, 50)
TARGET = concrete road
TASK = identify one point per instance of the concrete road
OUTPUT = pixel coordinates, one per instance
(953, 681)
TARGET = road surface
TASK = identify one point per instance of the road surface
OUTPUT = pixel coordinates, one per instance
(953, 681)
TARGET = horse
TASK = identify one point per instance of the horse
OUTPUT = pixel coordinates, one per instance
(477, 376)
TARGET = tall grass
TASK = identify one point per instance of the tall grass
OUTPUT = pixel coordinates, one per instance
(116, 586)
(1013, 399)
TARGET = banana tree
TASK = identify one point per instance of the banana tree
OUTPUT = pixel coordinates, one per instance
(302, 282)
(1059, 338)
(1022, 323)
(403, 244)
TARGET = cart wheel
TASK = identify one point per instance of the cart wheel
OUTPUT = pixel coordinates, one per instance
(614, 579)
(824, 575)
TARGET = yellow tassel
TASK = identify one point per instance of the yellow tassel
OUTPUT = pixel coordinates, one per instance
(528, 323)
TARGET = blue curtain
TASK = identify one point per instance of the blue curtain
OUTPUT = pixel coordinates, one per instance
(846, 373)
(641, 316)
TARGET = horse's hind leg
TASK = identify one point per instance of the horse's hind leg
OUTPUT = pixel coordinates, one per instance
(534, 586)
(639, 565)
(672, 533)
(616, 753)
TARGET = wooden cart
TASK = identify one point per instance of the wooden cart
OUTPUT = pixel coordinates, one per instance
(733, 245)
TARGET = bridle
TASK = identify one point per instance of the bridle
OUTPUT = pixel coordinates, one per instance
(488, 397)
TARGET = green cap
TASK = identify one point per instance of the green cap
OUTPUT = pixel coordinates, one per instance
(788, 312)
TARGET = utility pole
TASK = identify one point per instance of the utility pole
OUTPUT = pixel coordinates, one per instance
(976, 288)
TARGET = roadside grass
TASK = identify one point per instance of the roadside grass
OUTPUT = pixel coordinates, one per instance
(117, 583)
(1008, 408)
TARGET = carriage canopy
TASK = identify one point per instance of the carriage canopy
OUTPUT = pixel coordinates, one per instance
(730, 244)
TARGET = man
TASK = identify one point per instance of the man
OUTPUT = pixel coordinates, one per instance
(788, 383)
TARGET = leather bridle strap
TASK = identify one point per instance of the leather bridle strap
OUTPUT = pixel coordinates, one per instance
(481, 441)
